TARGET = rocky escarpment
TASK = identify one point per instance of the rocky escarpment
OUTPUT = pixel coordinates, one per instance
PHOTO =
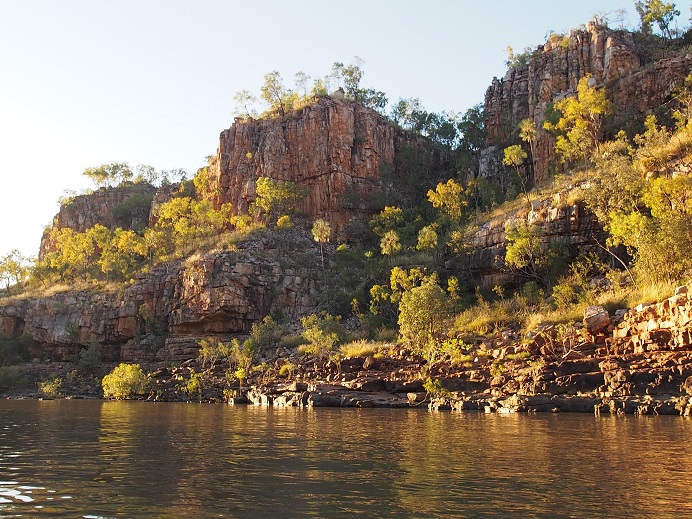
(126, 206)
(165, 312)
(612, 58)
(337, 149)
(562, 217)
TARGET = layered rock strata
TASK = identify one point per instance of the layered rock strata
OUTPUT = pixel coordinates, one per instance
(164, 313)
(553, 72)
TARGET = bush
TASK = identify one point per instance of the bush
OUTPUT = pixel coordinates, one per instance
(89, 359)
(14, 350)
(11, 378)
(126, 380)
(51, 387)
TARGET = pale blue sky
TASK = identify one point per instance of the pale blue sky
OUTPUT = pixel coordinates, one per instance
(84, 82)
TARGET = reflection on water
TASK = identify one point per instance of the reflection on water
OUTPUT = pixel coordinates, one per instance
(132, 459)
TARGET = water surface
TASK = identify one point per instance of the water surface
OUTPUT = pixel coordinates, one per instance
(158, 460)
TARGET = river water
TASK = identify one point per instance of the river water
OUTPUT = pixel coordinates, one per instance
(95, 459)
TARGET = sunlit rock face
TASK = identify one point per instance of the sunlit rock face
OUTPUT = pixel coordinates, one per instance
(335, 148)
(611, 57)
(166, 312)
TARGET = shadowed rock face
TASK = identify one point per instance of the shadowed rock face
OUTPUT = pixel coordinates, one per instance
(333, 147)
(554, 71)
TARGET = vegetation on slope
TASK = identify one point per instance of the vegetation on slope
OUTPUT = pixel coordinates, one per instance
(405, 272)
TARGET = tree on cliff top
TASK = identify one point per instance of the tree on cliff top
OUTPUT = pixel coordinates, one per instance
(659, 12)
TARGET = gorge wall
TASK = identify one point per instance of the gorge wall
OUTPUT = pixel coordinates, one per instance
(335, 148)
(127, 206)
(165, 312)
(611, 57)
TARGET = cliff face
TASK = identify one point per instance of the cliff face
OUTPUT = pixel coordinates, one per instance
(554, 71)
(164, 314)
(556, 218)
(333, 147)
(126, 206)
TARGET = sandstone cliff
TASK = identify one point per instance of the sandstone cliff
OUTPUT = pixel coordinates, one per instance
(126, 206)
(164, 313)
(555, 68)
(337, 149)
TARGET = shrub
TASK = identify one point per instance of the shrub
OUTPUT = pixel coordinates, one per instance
(435, 389)
(287, 370)
(51, 387)
(126, 380)
(11, 378)
(193, 386)
(360, 348)
(89, 359)
(322, 333)
(14, 350)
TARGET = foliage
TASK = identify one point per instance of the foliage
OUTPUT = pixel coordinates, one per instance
(211, 351)
(525, 253)
(14, 269)
(276, 197)
(11, 377)
(89, 359)
(266, 333)
(51, 387)
(322, 333)
(435, 388)
(515, 156)
(581, 119)
(423, 311)
(321, 232)
(194, 385)
(657, 11)
(109, 174)
(449, 198)
(242, 355)
(125, 381)
(359, 348)
(14, 350)
(390, 244)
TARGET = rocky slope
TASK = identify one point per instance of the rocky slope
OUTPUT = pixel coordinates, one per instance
(165, 312)
(611, 57)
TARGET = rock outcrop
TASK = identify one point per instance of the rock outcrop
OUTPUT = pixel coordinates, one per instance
(611, 57)
(126, 206)
(164, 313)
(337, 149)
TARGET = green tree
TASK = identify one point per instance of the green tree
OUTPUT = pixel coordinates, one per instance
(526, 255)
(423, 311)
(515, 156)
(14, 269)
(109, 174)
(245, 103)
(390, 244)
(275, 93)
(322, 333)
(276, 197)
(449, 198)
(659, 12)
(581, 119)
(427, 238)
(125, 381)
(321, 232)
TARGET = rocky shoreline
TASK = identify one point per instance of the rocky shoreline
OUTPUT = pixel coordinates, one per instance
(635, 362)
